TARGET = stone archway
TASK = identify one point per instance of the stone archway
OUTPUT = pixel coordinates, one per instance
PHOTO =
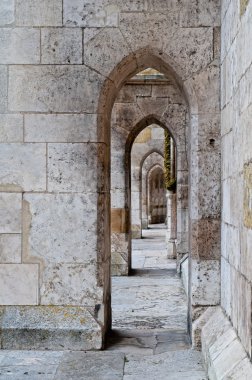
(153, 159)
(201, 293)
(156, 195)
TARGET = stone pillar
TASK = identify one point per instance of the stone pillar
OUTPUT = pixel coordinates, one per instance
(171, 224)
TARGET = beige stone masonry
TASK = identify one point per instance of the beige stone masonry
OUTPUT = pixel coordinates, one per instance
(19, 284)
(223, 352)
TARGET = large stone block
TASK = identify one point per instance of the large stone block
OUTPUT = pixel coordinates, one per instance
(54, 88)
(60, 128)
(70, 284)
(61, 46)
(39, 13)
(206, 185)
(99, 365)
(197, 13)
(143, 29)
(223, 352)
(11, 128)
(49, 328)
(206, 239)
(19, 45)
(206, 86)
(3, 89)
(76, 167)
(7, 12)
(205, 282)
(60, 228)
(10, 213)
(18, 284)
(98, 13)
(23, 167)
(10, 248)
(105, 49)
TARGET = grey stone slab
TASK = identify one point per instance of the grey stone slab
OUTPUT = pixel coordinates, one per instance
(109, 42)
(98, 13)
(30, 372)
(7, 12)
(11, 128)
(167, 363)
(70, 284)
(61, 46)
(23, 167)
(10, 248)
(10, 213)
(76, 167)
(29, 358)
(55, 88)
(19, 46)
(37, 328)
(3, 89)
(19, 284)
(60, 128)
(91, 365)
(51, 241)
(39, 13)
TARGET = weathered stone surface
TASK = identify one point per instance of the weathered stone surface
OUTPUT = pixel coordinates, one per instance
(102, 365)
(38, 328)
(92, 13)
(224, 354)
(205, 243)
(3, 89)
(10, 248)
(28, 167)
(109, 42)
(39, 13)
(165, 365)
(49, 239)
(10, 213)
(75, 167)
(197, 326)
(11, 128)
(7, 12)
(60, 128)
(200, 13)
(61, 46)
(205, 282)
(53, 88)
(18, 284)
(118, 220)
(141, 29)
(19, 45)
(208, 101)
(70, 284)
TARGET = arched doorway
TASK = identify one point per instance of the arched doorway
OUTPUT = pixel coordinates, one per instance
(134, 63)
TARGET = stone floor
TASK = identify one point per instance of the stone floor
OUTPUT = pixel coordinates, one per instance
(149, 339)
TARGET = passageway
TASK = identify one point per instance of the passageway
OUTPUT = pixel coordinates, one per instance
(149, 339)
(150, 315)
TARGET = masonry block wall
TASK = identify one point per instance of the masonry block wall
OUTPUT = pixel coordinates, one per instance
(236, 105)
(62, 64)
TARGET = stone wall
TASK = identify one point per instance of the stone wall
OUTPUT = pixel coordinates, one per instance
(62, 66)
(236, 108)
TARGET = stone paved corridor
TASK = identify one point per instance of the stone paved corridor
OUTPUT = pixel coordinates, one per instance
(149, 339)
